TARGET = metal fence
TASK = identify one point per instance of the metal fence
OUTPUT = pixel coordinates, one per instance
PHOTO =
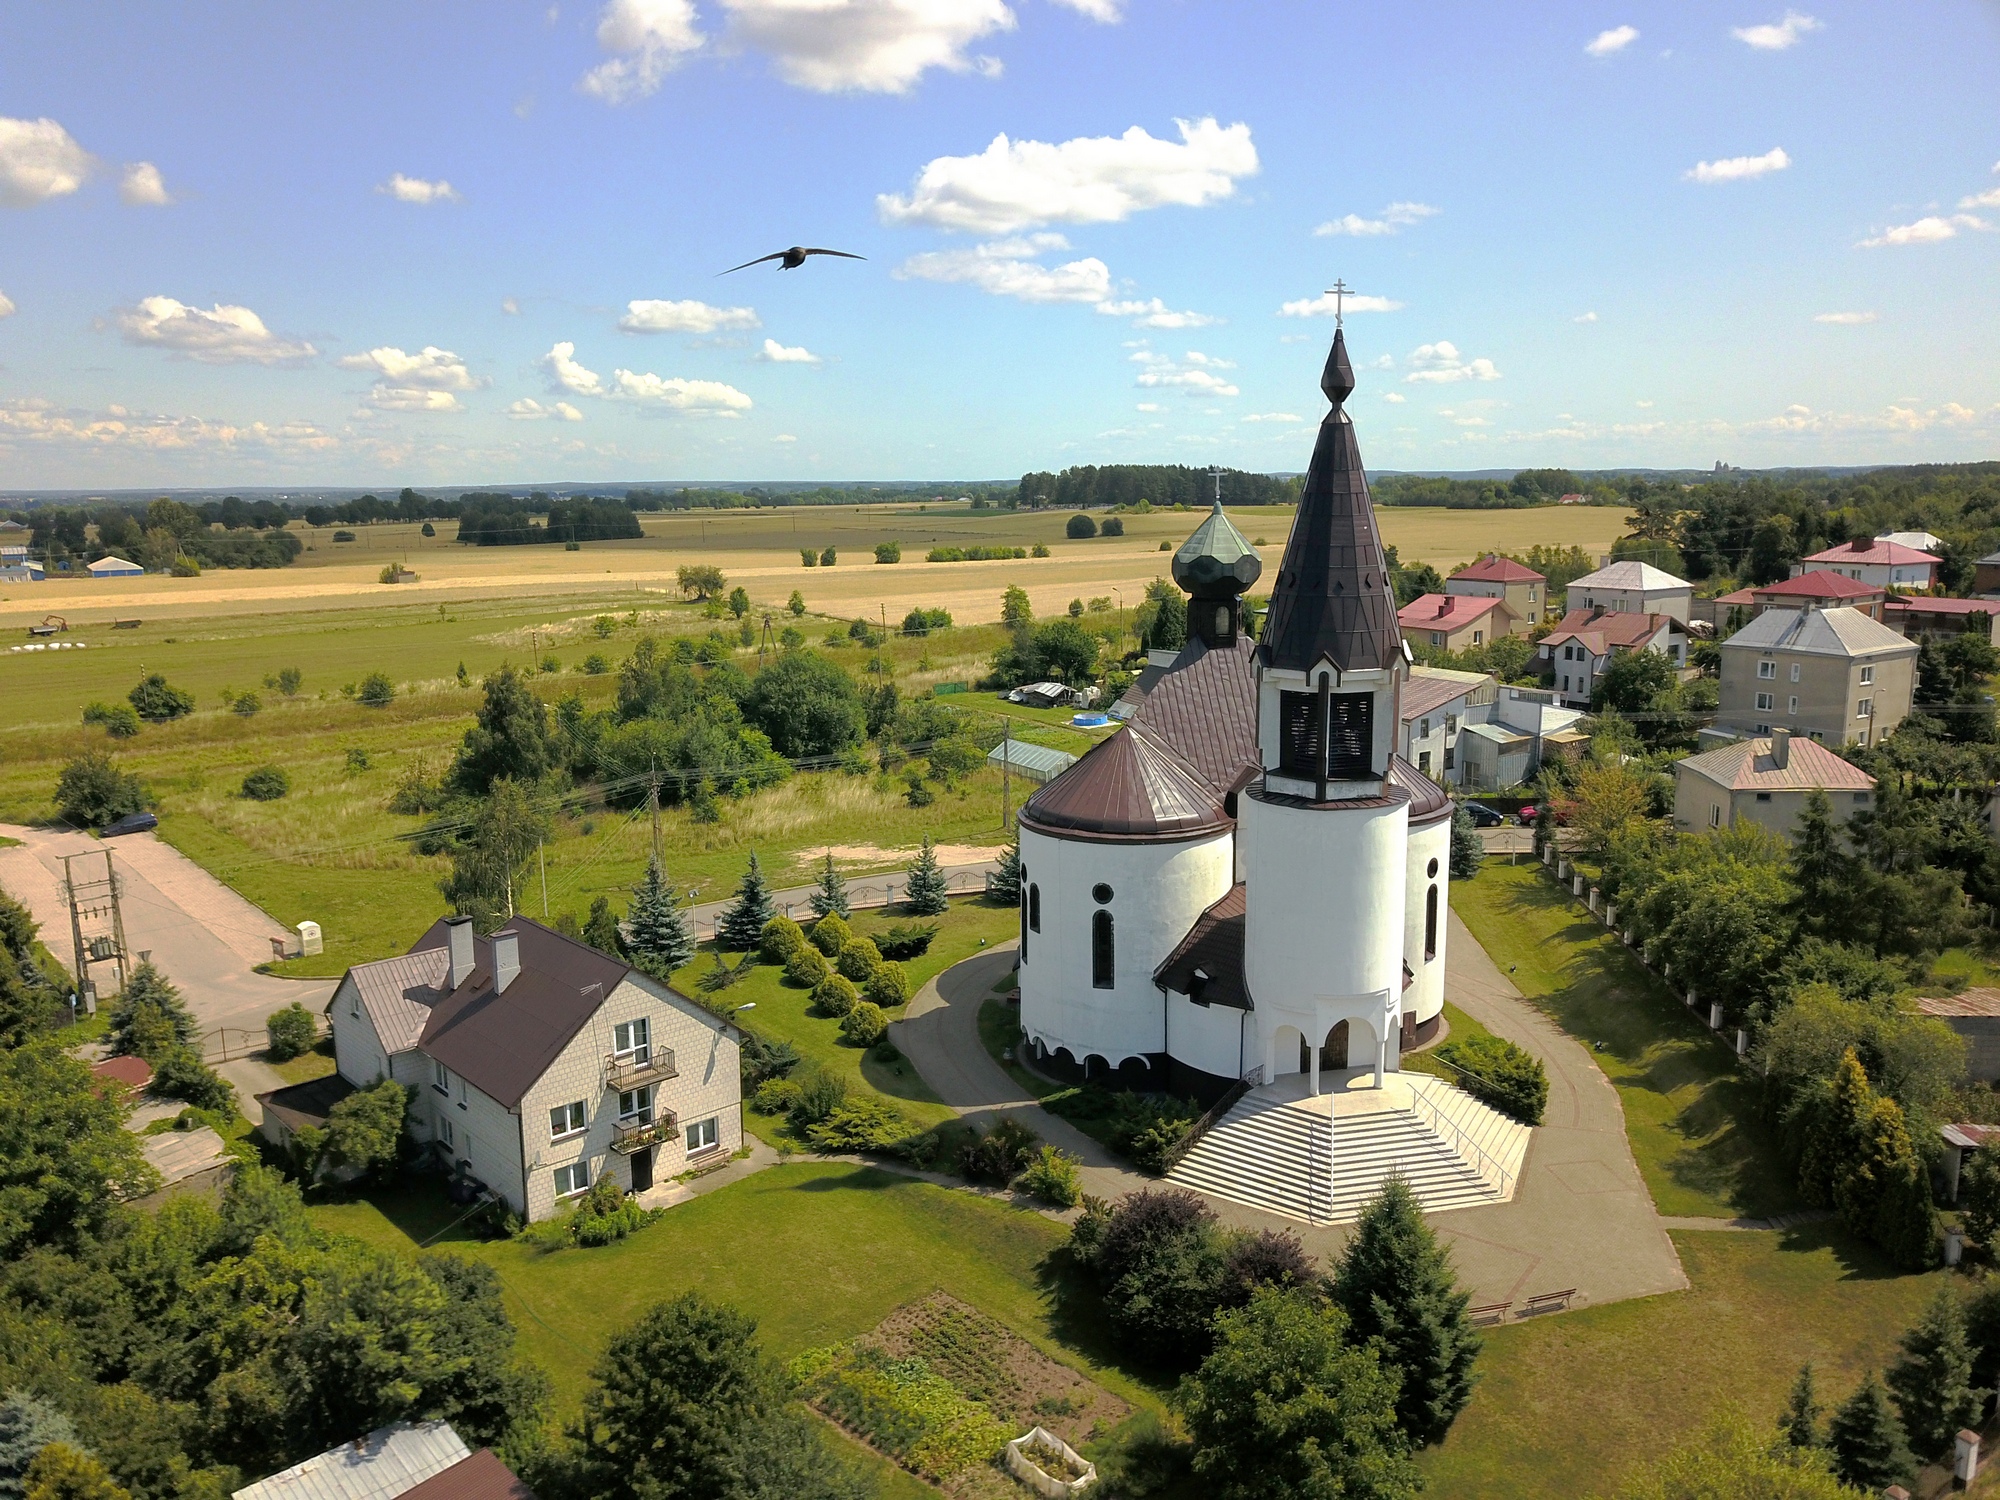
(226, 1043)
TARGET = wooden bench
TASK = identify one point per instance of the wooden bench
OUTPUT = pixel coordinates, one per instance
(1548, 1302)
(1492, 1312)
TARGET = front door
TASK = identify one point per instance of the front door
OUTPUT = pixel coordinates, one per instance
(642, 1170)
(1333, 1055)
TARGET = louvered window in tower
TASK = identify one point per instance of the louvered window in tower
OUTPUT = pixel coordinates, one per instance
(1301, 742)
(1350, 737)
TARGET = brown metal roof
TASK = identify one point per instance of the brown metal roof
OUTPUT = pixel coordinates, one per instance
(1204, 708)
(309, 1103)
(1973, 1002)
(1214, 947)
(1332, 597)
(502, 1042)
(1428, 801)
(481, 1476)
(1128, 787)
(1820, 583)
(1424, 695)
(1748, 766)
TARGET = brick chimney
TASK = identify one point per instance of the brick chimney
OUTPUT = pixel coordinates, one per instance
(1781, 748)
(458, 938)
(1444, 608)
(1862, 544)
(506, 960)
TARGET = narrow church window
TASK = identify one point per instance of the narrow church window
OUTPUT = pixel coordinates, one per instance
(1023, 873)
(1034, 908)
(1103, 972)
(1431, 925)
(1350, 736)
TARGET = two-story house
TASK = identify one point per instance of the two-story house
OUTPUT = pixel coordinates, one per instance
(1582, 647)
(1434, 706)
(538, 1064)
(1832, 675)
(1822, 588)
(1765, 781)
(1631, 587)
(1867, 559)
(1455, 622)
(1525, 591)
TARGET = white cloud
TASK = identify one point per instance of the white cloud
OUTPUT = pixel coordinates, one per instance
(699, 397)
(527, 409)
(1926, 231)
(1322, 306)
(1014, 185)
(1395, 397)
(1441, 364)
(1396, 216)
(510, 306)
(1273, 416)
(39, 160)
(1153, 313)
(143, 187)
(1845, 317)
(431, 368)
(685, 317)
(645, 40)
(220, 335)
(1589, 317)
(1150, 406)
(411, 398)
(566, 374)
(1776, 36)
(778, 354)
(1988, 199)
(874, 46)
(1105, 12)
(6, 306)
(1617, 39)
(1005, 268)
(783, 437)
(417, 190)
(1738, 168)
(1194, 375)
(39, 421)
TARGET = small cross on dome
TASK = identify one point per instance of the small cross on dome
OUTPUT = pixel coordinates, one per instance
(1339, 291)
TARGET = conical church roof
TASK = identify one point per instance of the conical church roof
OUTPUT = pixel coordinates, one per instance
(1332, 597)
(1129, 787)
(1217, 562)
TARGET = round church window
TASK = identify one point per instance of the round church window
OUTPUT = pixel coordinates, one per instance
(1433, 870)
(1101, 894)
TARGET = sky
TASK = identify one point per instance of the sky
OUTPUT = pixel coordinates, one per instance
(385, 244)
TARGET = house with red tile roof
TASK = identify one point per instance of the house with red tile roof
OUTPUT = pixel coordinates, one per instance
(1454, 622)
(1822, 588)
(1497, 577)
(1581, 648)
(1878, 561)
(1922, 614)
(1766, 781)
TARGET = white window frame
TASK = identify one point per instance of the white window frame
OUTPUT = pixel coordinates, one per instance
(1766, 671)
(577, 1177)
(567, 1121)
(1766, 702)
(633, 1039)
(442, 1129)
(636, 1104)
(1793, 701)
(1714, 815)
(440, 1078)
(1864, 708)
(1795, 671)
(702, 1135)
(1868, 677)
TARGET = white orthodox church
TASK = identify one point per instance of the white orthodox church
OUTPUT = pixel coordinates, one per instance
(1247, 884)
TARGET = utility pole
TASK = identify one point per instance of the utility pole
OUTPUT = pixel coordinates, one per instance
(1006, 771)
(94, 898)
(653, 805)
(542, 860)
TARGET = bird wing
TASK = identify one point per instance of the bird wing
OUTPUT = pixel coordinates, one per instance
(774, 255)
(842, 253)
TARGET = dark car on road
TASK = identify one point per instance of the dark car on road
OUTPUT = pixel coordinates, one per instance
(139, 822)
(1483, 816)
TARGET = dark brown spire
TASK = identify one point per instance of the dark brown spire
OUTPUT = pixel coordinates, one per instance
(1332, 597)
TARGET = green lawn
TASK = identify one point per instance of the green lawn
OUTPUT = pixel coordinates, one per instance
(1692, 1116)
(1459, 1027)
(1568, 1404)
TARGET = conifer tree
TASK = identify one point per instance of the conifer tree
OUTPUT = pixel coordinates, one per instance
(659, 929)
(600, 928)
(1800, 1423)
(1869, 1449)
(150, 1017)
(925, 891)
(1932, 1381)
(1395, 1283)
(1822, 869)
(830, 898)
(741, 926)
(1006, 885)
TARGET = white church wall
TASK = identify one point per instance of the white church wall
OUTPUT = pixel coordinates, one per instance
(1428, 846)
(1214, 1038)
(1157, 892)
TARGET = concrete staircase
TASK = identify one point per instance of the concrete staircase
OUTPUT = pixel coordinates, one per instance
(1321, 1159)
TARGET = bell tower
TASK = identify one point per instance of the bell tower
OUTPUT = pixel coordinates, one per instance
(1215, 567)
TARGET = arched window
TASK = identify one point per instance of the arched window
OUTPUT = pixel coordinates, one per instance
(1431, 925)
(1034, 908)
(1023, 875)
(1103, 969)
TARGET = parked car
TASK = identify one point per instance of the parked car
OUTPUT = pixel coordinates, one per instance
(139, 822)
(1527, 816)
(1483, 816)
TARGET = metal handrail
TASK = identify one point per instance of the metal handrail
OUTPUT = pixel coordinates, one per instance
(1177, 1153)
(628, 1136)
(1441, 1119)
(624, 1071)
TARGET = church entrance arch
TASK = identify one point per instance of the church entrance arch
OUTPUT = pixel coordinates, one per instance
(1289, 1053)
(1333, 1051)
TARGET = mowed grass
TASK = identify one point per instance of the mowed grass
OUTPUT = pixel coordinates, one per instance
(1571, 1404)
(1692, 1116)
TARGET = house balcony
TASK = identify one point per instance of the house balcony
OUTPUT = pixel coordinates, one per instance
(630, 1071)
(628, 1136)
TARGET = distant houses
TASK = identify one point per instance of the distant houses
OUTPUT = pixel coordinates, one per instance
(1631, 587)
(1521, 588)
(1876, 560)
(1455, 622)
(1582, 647)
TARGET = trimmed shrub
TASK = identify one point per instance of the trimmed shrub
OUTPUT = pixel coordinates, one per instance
(865, 1025)
(999, 1155)
(906, 940)
(835, 995)
(820, 1094)
(1053, 1178)
(866, 1122)
(1079, 527)
(781, 938)
(775, 1096)
(1498, 1073)
(292, 1032)
(859, 959)
(888, 986)
(806, 969)
(830, 934)
(266, 784)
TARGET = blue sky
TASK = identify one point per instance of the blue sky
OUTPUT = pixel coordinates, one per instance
(384, 244)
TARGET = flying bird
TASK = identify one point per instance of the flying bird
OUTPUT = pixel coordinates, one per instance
(793, 258)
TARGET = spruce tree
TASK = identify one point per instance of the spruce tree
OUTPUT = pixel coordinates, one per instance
(1006, 883)
(149, 1016)
(1932, 1380)
(830, 899)
(1800, 1423)
(1822, 869)
(1395, 1283)
(600, 928)
(1869, 1450)
(741, 926)
(658, 929)
(925, 891)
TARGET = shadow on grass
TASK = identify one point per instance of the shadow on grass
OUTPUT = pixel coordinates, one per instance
(413, 1203)
(1858, 1260)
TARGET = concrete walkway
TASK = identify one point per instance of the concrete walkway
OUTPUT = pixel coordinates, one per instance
(1580, 1218)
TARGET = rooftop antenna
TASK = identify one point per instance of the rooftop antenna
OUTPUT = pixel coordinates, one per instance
(1339, 291)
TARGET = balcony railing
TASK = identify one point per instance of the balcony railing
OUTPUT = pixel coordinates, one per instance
(625, 1070)
(628, 1136)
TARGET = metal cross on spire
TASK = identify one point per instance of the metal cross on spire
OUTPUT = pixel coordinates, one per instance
(1215, 473)
(1338, 291)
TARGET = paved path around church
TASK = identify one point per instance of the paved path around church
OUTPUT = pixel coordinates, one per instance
(1581, 1217)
